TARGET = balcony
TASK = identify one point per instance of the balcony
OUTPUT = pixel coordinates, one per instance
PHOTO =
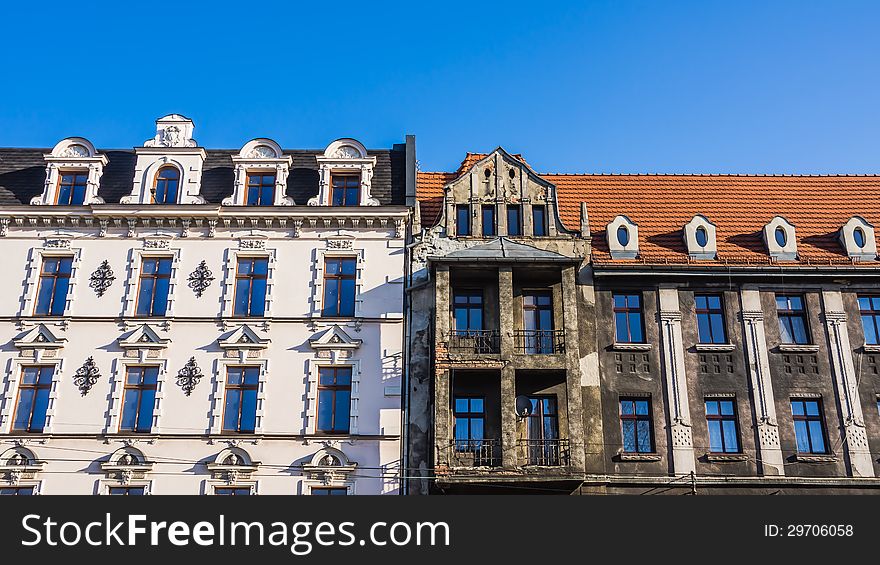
(470, 342)
(539, 342)
(545, 452)
(475, 452)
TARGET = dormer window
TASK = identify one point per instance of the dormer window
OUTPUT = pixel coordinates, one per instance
(166, 185)
(346, 189)
(261, 170)
(699, 238)
(514, 219)
(346, 175)
(73, 174)
(260, 189)
(489, 221)
(539, 220)
(779, 237)
(72, 188)
(857, 238)
(622, 235)
(463, 220)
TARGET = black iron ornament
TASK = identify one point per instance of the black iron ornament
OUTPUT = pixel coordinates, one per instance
(189, 376)
(200, 279)
(102, 278)
(86, 376)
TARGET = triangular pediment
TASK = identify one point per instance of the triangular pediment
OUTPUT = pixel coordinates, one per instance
(334, 338)
(243, 337)
(39, 337)
(142, 337)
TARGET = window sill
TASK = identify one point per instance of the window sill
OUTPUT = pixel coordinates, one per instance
(811, 458)
(631, 346)
(650, 457)
(871, 348)
(798, 348)
(709, 347)
(726, 457)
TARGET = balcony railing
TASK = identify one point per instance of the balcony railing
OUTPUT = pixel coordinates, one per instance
(474, 341)
(545, 452)
(539, 342)
(476, 452)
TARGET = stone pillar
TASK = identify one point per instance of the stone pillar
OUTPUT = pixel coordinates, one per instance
(442, 374)
(508, 373)
(672, 351)
(846, 383)
(769, 450)
(574, 398)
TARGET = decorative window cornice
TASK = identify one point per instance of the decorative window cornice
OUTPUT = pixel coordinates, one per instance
(345, 155)
(74, 154)
(264, 156)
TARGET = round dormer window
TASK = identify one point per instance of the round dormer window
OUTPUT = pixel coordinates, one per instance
(702, 236)
(623, 236)
(781, 236)
(859, 238)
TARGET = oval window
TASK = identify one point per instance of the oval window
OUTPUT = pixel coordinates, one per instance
(781, 236)
(623, 236)
(859, 237)
(702, 236)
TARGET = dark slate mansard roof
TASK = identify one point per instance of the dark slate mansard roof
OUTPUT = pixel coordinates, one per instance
(23, 174)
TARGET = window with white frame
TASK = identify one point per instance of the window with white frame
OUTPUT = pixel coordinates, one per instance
(73, 174)
(346, 175)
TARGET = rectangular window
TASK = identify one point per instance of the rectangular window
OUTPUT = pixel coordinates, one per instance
(869, 307)
(72, 189)
(153, 286)
(260, 189)
(539, 220)
(463, 219)
(340, 276)
(127, 491)
(16, 491)
(514, 220)
(346, 190)
(710, 318)
(250, 286)
(240, 412)
(334, 399)
(467, 311)
(809, 425)
(232, 491)
(330, 491)
(636, 425)
(33, 399)
(538, 332)
(542, 430)
(628, 324)
(488, 221)
(139, 399)
(721, 418)
(470, 417)
(54, 282)
(792, 319)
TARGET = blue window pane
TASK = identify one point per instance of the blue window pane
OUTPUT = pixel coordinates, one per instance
(868, 323)
(700, 302)
(325, 410)
(626, 407)
(702, 237)
(731, 442)
(160, 298)
(488, 220)
(164, 266)
(349, 266)
(248, 411)
(23, 413)
(623, 235)
(30, 375)
(715, 442)
(151, 375)
(703, 328)
(476, 428)
(242, 295)
(817, 437)
(864, 303)
(46, 375)
(620, 325)
(79, 195)
(644, 432)
(129, 410)
(251, 375)
(799, 330)
(875, 303)
(726, 407)
(797, 408)
(59, 300)
(261, 267)
(346, 302)
(44, 295)
(712, 408)
(64, 194)
(539, 220)
(718, 333)
(463, 221)
(41, 404)
(461, 405)
(629, 436)
(460, 316)
(642, 407)
(258, 297)
(714, 302)
(477, 405)
(230, 414)
(803, 439)
(343, 409)
(462, 431)
(235, 376)
(331, 297)
(812, 408)
(635, 327)
(145, 297)
(145, 411)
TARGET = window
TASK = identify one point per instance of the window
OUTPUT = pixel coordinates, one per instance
(859, 238)
(330, 491)
(54, 282)
(869, 307)
(16, 491)
(72, 188)
(710, 318)
(154, 281)
(346, 190)
(165, 188)
(623, 236)
(463, 219)
(127, 491)
(250, 286)
(340, 275)
(543, 431)
(538, 322)
(488, 221)
(781, 236)
(792, 319)
(628, 318)
(467, 309)
(809, 427)
(260, 189)
(702, 236)
(470, 414)
(33, 399)
(240, 412)
(539, 220)
(636, 425)
(334, 399)
(514, 220)
(139, 398)
(232, 491)
(721, 418)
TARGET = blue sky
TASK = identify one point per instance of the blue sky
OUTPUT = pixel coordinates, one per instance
(673, 86)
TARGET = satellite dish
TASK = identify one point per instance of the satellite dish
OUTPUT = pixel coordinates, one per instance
(523, 406)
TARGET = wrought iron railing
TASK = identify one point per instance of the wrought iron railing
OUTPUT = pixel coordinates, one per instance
(474, 341)
(539, 342)
(476, 452)
(545, 452)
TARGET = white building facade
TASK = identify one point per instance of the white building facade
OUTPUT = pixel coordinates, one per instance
(176, 320)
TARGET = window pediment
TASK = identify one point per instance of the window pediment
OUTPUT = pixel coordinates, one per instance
(39, 337)
(144, 337)
(243, 337)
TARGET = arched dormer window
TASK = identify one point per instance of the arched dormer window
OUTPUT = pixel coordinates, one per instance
(166, 185)
(346, 172)
(261, 170)
(73, 174)
(699, 238)
(857, 238)
(622, 235)
(780, 239)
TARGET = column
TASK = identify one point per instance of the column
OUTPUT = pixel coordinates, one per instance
(442, 374)
(573, 389)
(757, 358)
(508, 373)
(840, 352)
(672, 351)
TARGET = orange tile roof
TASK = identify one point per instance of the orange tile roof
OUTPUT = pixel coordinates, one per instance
(738, 205)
